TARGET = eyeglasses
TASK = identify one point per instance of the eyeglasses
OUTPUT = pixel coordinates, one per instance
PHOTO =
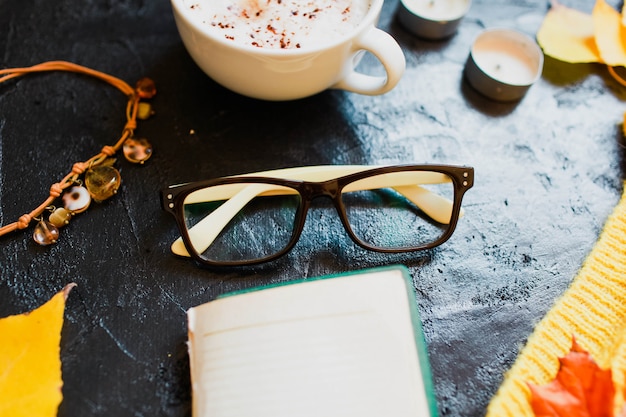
(253, 218)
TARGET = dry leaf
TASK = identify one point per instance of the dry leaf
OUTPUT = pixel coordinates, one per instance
(30, 364)
(568, 35)
(575, 37)
(580, 389)
(609, 35)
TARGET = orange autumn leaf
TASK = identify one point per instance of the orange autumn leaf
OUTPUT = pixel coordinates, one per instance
(30, 364)
(568, 35)
(580, 389)
(609, 34)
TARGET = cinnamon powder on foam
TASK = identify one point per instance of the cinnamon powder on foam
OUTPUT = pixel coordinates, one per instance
(280, 24)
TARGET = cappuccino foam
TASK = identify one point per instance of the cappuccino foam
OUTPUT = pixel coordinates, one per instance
(280, 24)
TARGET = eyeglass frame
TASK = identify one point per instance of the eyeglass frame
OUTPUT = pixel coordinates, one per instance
(173, 201)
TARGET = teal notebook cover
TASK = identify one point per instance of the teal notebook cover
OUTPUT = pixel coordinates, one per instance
(209, 341)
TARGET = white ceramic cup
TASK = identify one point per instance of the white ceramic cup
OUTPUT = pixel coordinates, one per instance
(287, 74)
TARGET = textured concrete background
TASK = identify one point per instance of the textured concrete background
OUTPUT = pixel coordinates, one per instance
(549, 170)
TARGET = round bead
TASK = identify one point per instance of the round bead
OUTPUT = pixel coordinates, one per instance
(146, 88)
(60, 217)
(45, 233)
(76, 199)
(137, 151)
(102, 182)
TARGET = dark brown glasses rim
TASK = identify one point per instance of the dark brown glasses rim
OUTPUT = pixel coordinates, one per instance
(172, 199)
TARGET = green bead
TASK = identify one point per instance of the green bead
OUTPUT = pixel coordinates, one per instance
(144, 111)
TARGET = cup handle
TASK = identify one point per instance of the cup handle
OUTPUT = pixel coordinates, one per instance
(385, 48)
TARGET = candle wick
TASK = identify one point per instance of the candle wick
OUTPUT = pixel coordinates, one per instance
(431, 3)
(498, 67)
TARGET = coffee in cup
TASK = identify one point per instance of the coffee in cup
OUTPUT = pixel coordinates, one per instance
(280, 24)
(288, 49)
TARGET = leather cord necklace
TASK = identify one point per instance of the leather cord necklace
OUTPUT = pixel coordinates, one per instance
(94, 179)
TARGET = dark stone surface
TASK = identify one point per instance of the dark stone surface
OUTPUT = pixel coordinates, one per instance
(549, 170)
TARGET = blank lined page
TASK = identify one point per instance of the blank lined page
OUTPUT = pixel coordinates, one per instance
(334, 347)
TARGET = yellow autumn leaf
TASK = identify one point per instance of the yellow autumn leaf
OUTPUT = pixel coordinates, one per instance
(568, 35)
(609, 34)
(30, 364)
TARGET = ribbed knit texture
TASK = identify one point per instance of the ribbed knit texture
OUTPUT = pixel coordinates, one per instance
(593, 310)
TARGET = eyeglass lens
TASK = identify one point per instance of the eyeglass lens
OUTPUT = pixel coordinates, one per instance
(259, 224)
(231, 223)
(401, 210)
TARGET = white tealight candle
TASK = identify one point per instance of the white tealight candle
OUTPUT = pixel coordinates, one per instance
(432, 19)
(507, 66)
(441, 10)
(503, 64)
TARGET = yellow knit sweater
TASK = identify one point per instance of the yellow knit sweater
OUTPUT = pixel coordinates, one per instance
(593, 309)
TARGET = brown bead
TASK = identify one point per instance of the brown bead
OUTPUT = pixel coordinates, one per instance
(137, 150)
(45, 233)
(146, 88)
(60, 217)
(102, 182)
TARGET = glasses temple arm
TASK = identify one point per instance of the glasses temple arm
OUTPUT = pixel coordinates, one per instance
(435, 206)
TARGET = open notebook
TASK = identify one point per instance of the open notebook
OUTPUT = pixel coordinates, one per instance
(343, 345)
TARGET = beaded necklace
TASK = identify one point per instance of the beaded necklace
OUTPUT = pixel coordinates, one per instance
(94, 179)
